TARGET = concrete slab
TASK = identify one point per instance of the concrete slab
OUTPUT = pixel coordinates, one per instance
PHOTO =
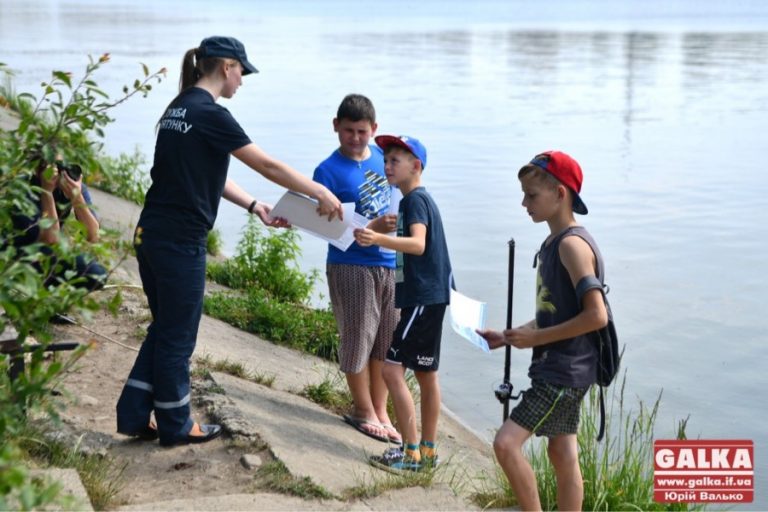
(115, 212)
(438, 497)
(9, 120)
(70, 482)
(241, 502)
(292, 370)
(308, 439)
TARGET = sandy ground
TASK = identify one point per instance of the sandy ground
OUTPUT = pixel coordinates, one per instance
(91, 389)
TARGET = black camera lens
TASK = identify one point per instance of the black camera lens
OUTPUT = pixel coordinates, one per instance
(74, 171)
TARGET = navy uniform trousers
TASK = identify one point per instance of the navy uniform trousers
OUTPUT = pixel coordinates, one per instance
(173, 277)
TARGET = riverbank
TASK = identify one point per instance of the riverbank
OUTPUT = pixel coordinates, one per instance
(269, 429)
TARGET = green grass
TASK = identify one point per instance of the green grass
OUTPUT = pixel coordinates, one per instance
(270, 294)
(382, 481)
(205, 364)
(332, 394)
(274, 476)
(617, 472)
(102, 476)
(139, 332)
(294, 325)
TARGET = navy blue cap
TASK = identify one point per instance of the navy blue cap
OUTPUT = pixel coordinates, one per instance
(410, 144)
(227, 47)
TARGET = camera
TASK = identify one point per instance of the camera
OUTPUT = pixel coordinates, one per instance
(74, 171)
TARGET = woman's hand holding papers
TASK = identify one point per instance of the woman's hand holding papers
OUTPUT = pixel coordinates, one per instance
(262, 210)
(328, 204)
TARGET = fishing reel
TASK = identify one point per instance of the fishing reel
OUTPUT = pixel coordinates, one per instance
(504, 392)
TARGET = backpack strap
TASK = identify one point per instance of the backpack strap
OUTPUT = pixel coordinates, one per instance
(601, 432)
(585, 284)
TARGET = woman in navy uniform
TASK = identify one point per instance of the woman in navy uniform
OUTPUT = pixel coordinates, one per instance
(195, 138)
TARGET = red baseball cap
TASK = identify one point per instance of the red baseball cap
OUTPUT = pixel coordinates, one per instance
(567, 171)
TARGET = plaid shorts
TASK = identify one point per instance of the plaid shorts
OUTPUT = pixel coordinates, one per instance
(363, 303)
(549, 409)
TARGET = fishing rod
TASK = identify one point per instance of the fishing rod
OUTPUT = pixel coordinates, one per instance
(504, 391)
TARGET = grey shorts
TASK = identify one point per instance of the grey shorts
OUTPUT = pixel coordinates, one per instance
(549, 409)
(363, 303)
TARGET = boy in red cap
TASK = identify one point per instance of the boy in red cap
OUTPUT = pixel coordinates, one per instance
(422, 292)
(569, 306)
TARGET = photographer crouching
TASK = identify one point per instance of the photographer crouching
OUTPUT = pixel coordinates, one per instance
(63, 192)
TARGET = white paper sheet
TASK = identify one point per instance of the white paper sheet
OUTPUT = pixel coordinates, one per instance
(353, 220)
(301, 212)
(466, 316)
(394, 205)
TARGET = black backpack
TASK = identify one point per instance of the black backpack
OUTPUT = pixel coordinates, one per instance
(608, 358)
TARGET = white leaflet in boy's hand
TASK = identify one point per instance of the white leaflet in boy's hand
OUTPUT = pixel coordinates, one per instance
(466, 316)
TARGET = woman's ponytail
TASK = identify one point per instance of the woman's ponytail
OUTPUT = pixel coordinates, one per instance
(190, 73)
(192, 69)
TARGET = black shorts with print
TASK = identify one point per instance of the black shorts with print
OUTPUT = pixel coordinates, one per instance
(416, 341)
(549, 409)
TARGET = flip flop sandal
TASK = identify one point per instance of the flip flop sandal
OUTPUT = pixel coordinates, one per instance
(360, 423)
(392, 433)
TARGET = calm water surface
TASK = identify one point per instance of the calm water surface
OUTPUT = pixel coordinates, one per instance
(664, 103)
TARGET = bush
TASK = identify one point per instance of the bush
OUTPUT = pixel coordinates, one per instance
(124, 176)
(60, 122)
(214, 243)
(272, 293)
(268, 261)
(295, 325)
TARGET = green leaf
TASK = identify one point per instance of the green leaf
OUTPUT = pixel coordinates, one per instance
(64, 77)
(114, 303)
(145, 68)
(102, 93)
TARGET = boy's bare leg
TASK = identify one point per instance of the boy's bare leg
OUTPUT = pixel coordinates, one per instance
(508, 446)
(429, 386)
(360, 389)
(379, 391)
(405, 411)
(564, 455)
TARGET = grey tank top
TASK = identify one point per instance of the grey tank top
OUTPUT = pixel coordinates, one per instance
(570, 362)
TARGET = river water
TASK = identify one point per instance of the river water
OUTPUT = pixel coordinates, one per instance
(664, 103)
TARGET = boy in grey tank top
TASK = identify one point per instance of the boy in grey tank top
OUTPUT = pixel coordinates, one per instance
(569, 305)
